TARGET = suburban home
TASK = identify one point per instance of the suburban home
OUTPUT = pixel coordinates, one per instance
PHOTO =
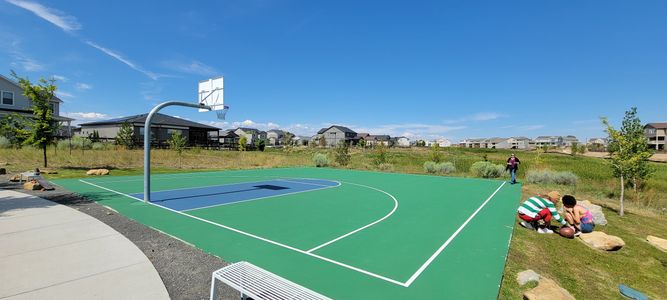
(498, 143)
(275, 137)
(251, 134)
(162, 128)
(655, 133)
(401, 141)
(336, 134)
(300, 140)
(13, 101)
(228, 139)
(549, 141)
(444, 142)
(372, 140)
(474, 143)
(569, 140)
(519, 142)
(598, 144)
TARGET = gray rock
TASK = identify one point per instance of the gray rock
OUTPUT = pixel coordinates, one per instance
(596, 211)
(527, 276)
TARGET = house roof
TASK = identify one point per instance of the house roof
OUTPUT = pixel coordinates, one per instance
(247, 129)
(521, 138)
(341, 128)
(381, 137)
(278, 131)
(497, 140)
(158, 119)
(228, 134)
(55, 98)
(661, 125)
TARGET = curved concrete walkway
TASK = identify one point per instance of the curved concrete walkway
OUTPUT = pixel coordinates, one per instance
(51, 251)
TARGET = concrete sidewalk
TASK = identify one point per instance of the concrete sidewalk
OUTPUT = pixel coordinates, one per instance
(51, 251)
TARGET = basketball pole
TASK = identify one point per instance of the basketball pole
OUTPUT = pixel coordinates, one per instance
(147, 140)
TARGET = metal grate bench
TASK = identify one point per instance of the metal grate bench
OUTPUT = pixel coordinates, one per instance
(257, 283)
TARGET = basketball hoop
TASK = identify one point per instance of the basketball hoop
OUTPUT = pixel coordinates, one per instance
(222, 112)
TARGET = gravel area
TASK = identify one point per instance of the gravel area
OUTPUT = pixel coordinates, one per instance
(185, 270)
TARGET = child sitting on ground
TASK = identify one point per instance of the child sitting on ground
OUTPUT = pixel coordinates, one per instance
(577, 215)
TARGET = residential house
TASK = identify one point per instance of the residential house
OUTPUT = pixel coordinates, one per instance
(474, 143)
(401, 141)
(444, 142)
(162, 127)
(12, 101)
(252, 135)
(549, 141)
(229, 139)
(598, 144)
(300, 140)
(519, 142)
(373, 140)
(655, 133)
(275, 137)
(336, 134)
(498, 143)
(569, 140)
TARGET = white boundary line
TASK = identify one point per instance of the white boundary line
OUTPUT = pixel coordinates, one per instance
(258, 237)
(266, 197)
(449, 240)
(363, 227)
(307, 183)
(404, 284)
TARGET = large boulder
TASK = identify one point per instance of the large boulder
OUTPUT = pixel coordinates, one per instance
(32, 185)
(98, 172)
(547, 289)
(596, 211)
(527, 276)
(657, 242)
(602, 241)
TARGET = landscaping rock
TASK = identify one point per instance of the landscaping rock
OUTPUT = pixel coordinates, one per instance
(547, 289)
(48, 171)
(602, 241)
(15, 178)
(596, 211)
(657, 242)
(3, 171)
(32, 185)
(98, 172)
(527, 276)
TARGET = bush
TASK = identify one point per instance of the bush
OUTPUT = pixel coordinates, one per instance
(487, 169)
(5, 143)
(81, 143)
(320, 160)
(342, 154)
(62, 144)
(551, 177)
(440, 168)
(386, 167)
(98, 146)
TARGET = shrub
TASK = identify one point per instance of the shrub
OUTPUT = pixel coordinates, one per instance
(429, 167)
(380, 155)
(5, 143)
(342, 154)
(487, 169)
(387, 167)
(320, 160)
(98, 146)
(551, 177)
(81, 143)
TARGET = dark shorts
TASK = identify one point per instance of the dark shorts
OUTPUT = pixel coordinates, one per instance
(587, 227)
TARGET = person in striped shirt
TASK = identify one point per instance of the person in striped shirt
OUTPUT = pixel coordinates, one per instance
(536, 212)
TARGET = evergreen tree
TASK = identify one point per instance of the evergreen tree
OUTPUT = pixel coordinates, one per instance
(125, 136)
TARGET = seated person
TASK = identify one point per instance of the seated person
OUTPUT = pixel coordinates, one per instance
(537, 211)
(577, 216)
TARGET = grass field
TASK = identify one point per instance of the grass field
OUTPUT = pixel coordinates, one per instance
(579, 269)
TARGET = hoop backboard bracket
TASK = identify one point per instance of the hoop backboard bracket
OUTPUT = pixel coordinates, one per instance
(211, 93)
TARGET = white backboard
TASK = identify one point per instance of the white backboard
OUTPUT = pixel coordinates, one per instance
(211, 93)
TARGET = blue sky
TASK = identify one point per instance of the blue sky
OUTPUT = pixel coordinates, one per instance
(426, 69)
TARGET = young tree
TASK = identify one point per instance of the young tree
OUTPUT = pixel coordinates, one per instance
(574, 149)
(342, 153)
(125, 136)
(380, 153)
(287, 139)
(436, 156)
(177, 143)
(243, 143)
(260, 145)
(94, 137)
(362, 143)
(628, 150)
(42, 126)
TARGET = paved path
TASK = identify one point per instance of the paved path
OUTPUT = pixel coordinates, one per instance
(51, 251)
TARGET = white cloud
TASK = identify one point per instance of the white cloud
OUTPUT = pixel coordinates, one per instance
(481, 116)
(26, 63)
(63, 94)
(412, 130)
(83, 86)
(124, 60)
(56, 17)
(86, 115)
(193, 67)
(60, 78)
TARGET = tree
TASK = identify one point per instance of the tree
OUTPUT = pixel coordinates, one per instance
(13, 127)
(322, 141)
(362, 143)
(380, 153)
(436, 156)
(177, 143)
(42, 126)
(125, 136)
(287, 138)
(629, 152)
(574, 149)
(94, 137)
(342, 153)
(260, 144)
(243, 143)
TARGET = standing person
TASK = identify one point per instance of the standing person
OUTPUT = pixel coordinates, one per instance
(537, 211)
(512, 166)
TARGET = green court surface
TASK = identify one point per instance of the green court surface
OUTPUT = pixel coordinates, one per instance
(369, 235)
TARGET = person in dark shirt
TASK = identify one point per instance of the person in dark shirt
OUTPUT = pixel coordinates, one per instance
(512, 166)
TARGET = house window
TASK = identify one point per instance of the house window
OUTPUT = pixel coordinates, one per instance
(8, 98)
(52, 107)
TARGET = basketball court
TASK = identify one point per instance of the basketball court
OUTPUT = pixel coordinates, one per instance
(342, 233)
